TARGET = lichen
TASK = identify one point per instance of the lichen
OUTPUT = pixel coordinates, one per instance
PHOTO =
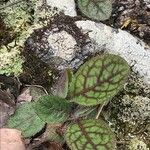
(17, 16)
(22, 18)
(129, 112)
(136, 144)
(136, 109)
(11, 62)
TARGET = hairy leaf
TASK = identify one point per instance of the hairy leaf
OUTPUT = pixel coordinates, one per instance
(26, 120)
(52, 109)
(96, 9)
(90, 135)
(98, 80)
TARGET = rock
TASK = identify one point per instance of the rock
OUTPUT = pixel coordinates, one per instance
(67, 6)
(11, 139)
(119, 42)
(63, 44)
(57, 43)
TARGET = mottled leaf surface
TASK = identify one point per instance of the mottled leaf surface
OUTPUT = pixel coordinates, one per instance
(52, 109)
(96, 9)
(90, 135)
(26, 120)
(98, 80)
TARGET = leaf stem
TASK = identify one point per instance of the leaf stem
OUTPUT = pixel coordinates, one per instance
(100, 110)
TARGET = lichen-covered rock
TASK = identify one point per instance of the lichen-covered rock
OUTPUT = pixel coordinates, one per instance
(122, 43)
(57, 43)
(137, 86)
(66, 6)
(129, 112)
(43, 13)
(11, 62)
(136, 109)
(17, 16)
(21, 22)
(136, 144)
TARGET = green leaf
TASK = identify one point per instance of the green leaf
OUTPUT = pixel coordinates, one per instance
(52, 109)
(90, 135)
(26, 120)
(60, 88)
(96, 9)
(98, 80)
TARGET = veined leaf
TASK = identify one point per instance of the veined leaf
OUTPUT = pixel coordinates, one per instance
(96, 9)
(98, 80)
(90, 135)
(52, 109)
(26, 120)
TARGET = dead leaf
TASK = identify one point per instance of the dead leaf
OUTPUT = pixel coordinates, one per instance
(25, 96)
(11, 139)
(31, 93)
(5, 112)
(47, 146)
(7, 97)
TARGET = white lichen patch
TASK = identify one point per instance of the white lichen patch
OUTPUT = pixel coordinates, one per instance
(67, 6)
(136, 109)
(44, 13)
(137, 86)
(63, 45)
(136, 144)
(120, 42)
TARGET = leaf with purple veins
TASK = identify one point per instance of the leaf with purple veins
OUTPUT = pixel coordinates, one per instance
(98, 80)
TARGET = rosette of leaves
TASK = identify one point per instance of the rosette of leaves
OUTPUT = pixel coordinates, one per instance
(90, 135)
(98, 80)
(96, 9)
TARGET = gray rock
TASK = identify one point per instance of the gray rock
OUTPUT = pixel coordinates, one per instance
(119, 42)
(67, 6)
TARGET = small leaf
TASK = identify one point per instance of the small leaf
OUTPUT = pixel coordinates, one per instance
(90, 134)
(96, 9)
(26, 120)
(60, 88)
(52, 109)
(51, 133)
(98, 80)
